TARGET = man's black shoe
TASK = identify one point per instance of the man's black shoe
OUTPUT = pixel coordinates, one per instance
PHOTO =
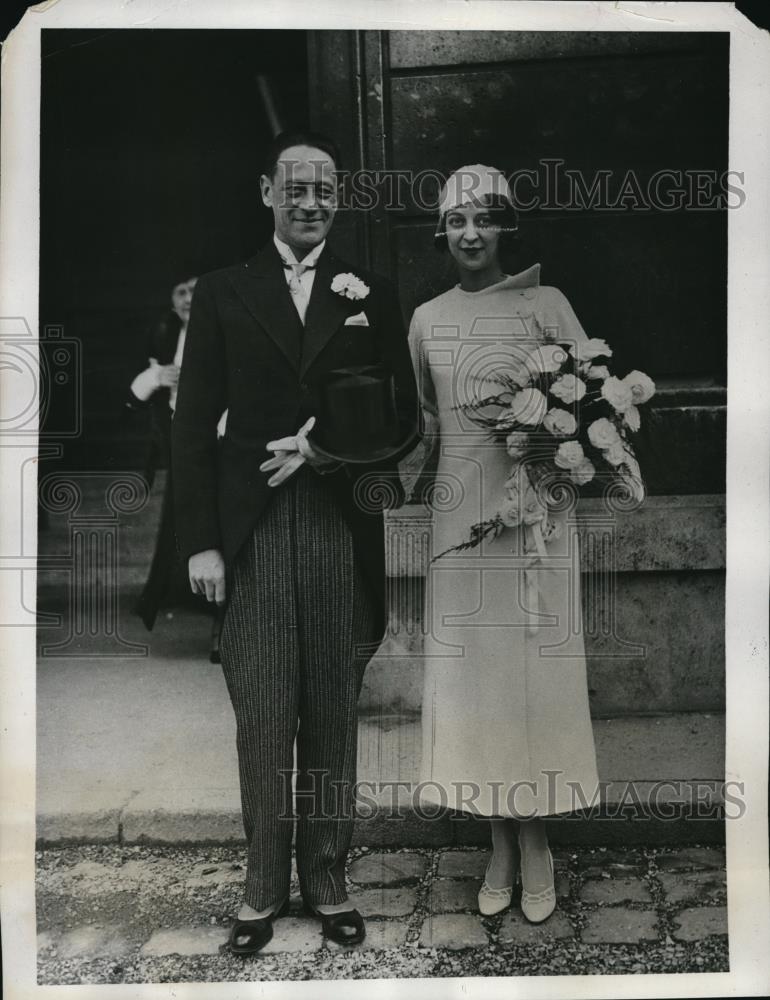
(343, 928)
(254, 933)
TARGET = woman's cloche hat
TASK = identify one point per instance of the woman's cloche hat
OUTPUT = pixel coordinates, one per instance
(473, 183)
(357, 418)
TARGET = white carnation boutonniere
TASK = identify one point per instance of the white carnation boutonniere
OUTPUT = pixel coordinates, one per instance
(349, 286)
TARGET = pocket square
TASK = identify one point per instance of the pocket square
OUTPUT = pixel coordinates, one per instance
(358, 320)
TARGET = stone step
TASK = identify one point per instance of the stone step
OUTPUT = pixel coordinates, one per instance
(143, 749)
(667, 534)
(668, 570)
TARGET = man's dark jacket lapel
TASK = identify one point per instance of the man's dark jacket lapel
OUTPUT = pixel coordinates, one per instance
(326, 311)
(261, 286)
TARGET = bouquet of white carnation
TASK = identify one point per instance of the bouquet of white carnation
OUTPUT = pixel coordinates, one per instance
(563, 419)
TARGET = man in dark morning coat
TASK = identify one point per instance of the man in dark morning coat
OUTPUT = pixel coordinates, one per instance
(293, 544)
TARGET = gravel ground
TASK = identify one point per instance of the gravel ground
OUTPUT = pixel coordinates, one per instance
(140, 890)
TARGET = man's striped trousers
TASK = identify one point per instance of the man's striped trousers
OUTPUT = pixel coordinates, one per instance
(298, 611)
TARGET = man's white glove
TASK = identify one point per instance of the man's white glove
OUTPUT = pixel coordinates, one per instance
(290, 453)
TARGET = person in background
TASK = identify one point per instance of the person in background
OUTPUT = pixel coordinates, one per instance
(155, 389)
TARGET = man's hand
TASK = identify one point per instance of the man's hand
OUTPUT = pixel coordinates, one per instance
(207, 575)
(291, 453)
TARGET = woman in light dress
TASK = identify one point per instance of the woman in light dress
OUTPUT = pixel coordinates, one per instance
(506, 726)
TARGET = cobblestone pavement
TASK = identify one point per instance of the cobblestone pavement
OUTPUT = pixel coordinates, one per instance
(137, 914)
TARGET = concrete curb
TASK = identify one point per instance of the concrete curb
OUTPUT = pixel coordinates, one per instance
(408, 829)
(686, 808)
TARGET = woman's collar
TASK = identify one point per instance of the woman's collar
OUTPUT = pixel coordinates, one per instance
(527, 282)
(529, 278)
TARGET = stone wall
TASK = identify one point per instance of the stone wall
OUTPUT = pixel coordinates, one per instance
(653, 608)
(652, 591)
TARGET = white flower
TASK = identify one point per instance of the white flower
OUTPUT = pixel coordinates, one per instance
(569, 388)
(602, 433)
(516, 444)
(597, 371)
(632, 419)
(559, 422)
(545, 359)
(587, 350)
(528, 407)
(510, 512)
(552, 530)
(534, 511)
(617, 394)
(642, 386)
(569, 455)
(350, 286)
(616, 453)
(583, 473)
(521, 505)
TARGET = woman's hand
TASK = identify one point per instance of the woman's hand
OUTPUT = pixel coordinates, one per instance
(168, 376)
(207, 575)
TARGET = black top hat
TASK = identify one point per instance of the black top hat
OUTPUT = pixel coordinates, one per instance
(357, 418)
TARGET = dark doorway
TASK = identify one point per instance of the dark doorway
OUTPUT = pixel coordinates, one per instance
(151, 146)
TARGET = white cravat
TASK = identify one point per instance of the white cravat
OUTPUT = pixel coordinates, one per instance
(300, 275)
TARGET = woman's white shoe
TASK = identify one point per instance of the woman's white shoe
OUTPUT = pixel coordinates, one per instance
(492, 901)
(538, 906)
